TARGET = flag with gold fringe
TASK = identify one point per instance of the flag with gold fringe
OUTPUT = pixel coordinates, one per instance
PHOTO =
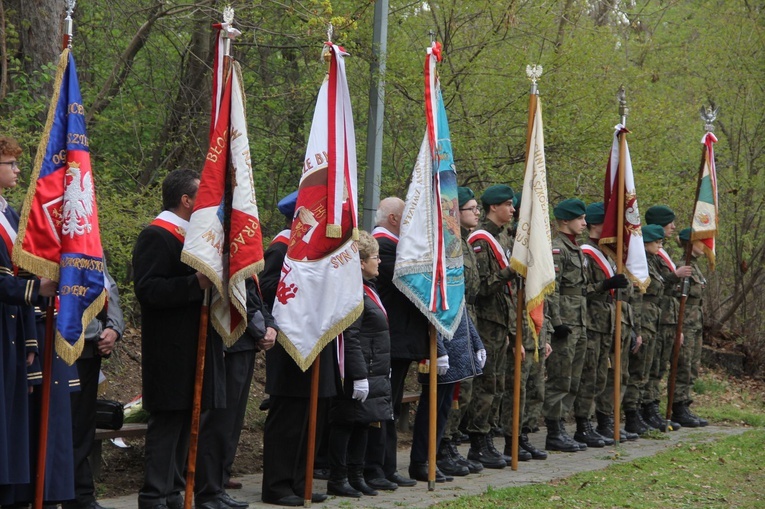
(320, 292)
(635, 264)
(224, 239)
(59, 237)
(532, 251)
(705, 213)
(429, 267)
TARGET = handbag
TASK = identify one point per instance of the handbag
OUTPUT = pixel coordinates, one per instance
(109, 414)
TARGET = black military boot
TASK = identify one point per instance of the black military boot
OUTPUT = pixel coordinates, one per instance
(652, 418)
(357, 481)
(681, 414)
(480, 452)
(582, 446)
(556, 441)
(702, 422)
(338, 483)
(473, 466)
(523, 454)
(586, 435)
(635, 423)
(446, 461)
(526, 445)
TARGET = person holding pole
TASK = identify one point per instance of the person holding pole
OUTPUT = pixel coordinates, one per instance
(495, 312)
(690, 350)
(672, 274)
(170, 295)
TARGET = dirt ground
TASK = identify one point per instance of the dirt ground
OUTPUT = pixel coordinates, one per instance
(122, 470)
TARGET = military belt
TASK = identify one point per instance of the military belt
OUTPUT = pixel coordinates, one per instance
(599, 297)
(652, 298)
(693, 301)
(573, 290)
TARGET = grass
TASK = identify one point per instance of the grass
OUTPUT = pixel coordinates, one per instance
(712, 471)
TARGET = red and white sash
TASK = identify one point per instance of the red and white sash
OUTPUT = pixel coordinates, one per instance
(495, 246)
(376, 298)
(174, 224)
(381, 232)
(600, 259)
(282, 238)
(667, 260)
(8, 233)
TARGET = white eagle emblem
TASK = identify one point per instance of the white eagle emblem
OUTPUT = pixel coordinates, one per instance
(79, 198)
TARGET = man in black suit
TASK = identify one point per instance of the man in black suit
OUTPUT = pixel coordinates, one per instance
(170, 294)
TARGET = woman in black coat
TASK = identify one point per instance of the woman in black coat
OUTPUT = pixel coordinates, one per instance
(366, 396)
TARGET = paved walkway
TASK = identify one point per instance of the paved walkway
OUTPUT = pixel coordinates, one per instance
(558, 465)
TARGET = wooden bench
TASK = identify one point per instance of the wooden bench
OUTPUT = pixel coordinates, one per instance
(406, 402)
(129, 430)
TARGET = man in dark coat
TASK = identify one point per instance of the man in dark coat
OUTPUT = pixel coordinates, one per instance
(408, 343)
(170, 294)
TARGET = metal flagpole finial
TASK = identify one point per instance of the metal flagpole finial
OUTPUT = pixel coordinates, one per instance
(432, 34)
(330, 31)
(534, 72)
(708, 115)
(68, 21)
(228, 14)
(623, 110)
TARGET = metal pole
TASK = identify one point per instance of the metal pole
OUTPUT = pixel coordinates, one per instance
(373, 175)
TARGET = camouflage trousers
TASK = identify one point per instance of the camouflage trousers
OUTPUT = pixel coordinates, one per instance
(688, 363)
(640, 370)
(604, 401)
(564, 370)
(457, 414)
(489, 386)
(535, 390)
(506, 414)
(661, 358)
(594, 372)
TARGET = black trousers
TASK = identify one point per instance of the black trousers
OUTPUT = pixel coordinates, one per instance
(167, 444)
(382, 442)
(421, 430)
(347, 447)
(239, 369)
(84, 431)
(285, 444)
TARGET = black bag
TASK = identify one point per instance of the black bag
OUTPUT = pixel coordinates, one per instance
(109, 414)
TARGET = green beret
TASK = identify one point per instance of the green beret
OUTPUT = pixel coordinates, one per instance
(685, 234)
(595, 213)
(652, 232)
(517, 200)
(464, 195)
(659, 214)
(569, 209)
(497, 194)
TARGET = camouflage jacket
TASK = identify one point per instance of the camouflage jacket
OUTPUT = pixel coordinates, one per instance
(650, 310)
(568, 303)
(693, 306)
(670, 306)
(493, 302)
(472, 277)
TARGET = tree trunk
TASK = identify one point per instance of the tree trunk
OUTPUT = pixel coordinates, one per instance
(40, 27)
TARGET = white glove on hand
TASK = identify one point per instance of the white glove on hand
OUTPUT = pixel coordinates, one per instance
(442, 365)
(481, 356)
(360, 390)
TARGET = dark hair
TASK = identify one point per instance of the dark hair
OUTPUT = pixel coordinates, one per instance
(176, 184)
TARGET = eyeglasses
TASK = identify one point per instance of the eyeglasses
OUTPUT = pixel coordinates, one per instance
(14, 164)
(472, 209)
(373, 257)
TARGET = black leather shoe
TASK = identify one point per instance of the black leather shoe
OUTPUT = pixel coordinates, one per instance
(321, 473)
(174, 501)
(381, 483)
(210, 504)
(226, 499)
(318, 498)
(288, 501)
(419, 471)
(341, 488)
(402, 481)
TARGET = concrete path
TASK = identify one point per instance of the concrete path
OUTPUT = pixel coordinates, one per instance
(558, 465)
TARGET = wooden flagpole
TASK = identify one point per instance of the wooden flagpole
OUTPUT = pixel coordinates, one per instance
(47, 367)
(685, 286)
(623, 112)
(204, 315)
(432, 408)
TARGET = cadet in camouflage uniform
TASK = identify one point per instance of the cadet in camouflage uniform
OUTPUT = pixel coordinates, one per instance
(493, 307)
(568, 315)
(670, 306)
(650, 318)
(690, 351)
(470, 213)
(535, 387)
(601, 280)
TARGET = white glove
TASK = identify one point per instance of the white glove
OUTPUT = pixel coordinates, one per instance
(481, 356)
(360, 390)
(442, 365)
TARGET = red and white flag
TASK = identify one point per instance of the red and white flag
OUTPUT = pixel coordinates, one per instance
(532, 251)
(705, 213)
(224, 240)
(321, 290)
(635, 264)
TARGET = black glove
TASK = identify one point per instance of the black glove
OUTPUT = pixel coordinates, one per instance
(561, 331)
(633, 341)
(618, 281)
